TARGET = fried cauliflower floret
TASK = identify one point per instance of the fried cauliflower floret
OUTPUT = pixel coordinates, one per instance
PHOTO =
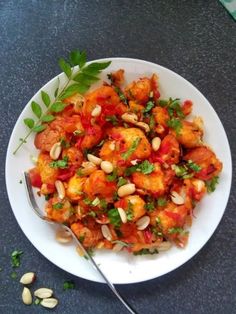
(102, 96)
(98, 185)
(89, 235)
(117, 78)
(207, 160)
(124, 141)
(154, 183)
(59, 210)
(189, 135)
(48, 174)
(139, 90)
(133, 205)
(74, 189)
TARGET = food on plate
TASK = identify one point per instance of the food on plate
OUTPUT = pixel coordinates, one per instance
(124, 168)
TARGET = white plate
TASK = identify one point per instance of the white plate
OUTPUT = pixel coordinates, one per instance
(124, 268)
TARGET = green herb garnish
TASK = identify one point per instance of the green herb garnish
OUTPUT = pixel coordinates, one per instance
(145, 167)
(161, 201)
(175, 230)
(112, 119)
(37, 301)
(113, 176)
(132, 148)
(15, 258)
(211, 184)
(175, 124)
(69, 284)
(150, 104)
(145, 252)
(61, 163)
(121, 95)
(77, 82)
(149, 206)
(114, 217)
(130, 212)
(121, 181)
(57, 206)
(192, 165)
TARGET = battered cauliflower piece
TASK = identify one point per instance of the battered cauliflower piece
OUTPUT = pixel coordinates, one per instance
(124, 140)
(134, 206)
(189, 135)
(154, 183)
(48, 174)
(207, 160)
(75, 188)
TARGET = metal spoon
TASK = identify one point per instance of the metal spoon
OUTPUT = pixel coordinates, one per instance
(36, 209)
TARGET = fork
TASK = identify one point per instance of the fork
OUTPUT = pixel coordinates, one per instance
(33, 204)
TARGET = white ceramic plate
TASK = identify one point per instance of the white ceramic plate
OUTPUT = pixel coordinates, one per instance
(122, 267)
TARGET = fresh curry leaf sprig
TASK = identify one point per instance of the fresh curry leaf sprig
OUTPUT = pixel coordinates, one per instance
(80, 77)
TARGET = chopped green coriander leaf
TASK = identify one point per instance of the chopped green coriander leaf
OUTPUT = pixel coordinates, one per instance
(211, 184)
(150, 104)
(149, 206)
(130, 212)
(90, 251)
(15, 258)
(174, 108)
(113, 119)
(14, 275)
(146, 167)
(95, 202)
(180, 171)
(132, 148)
(37, 301)
(103, 204)
(61, 163)
(87, 201)
(175, 230)
(161, 201)
(80, 172)
(152, 122)
(163, 103)
(114, 217)
(57, 206)
(92, 214)
(121, 181)
(47, 197)
(156, 232)
(115, 196)
(158, 220)
(130, 170)
(145, 252)
(121, 95)
(69, 284)
(64, 143)
(192, 165)
(175, 124)
(113, 176)
(81, 238)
